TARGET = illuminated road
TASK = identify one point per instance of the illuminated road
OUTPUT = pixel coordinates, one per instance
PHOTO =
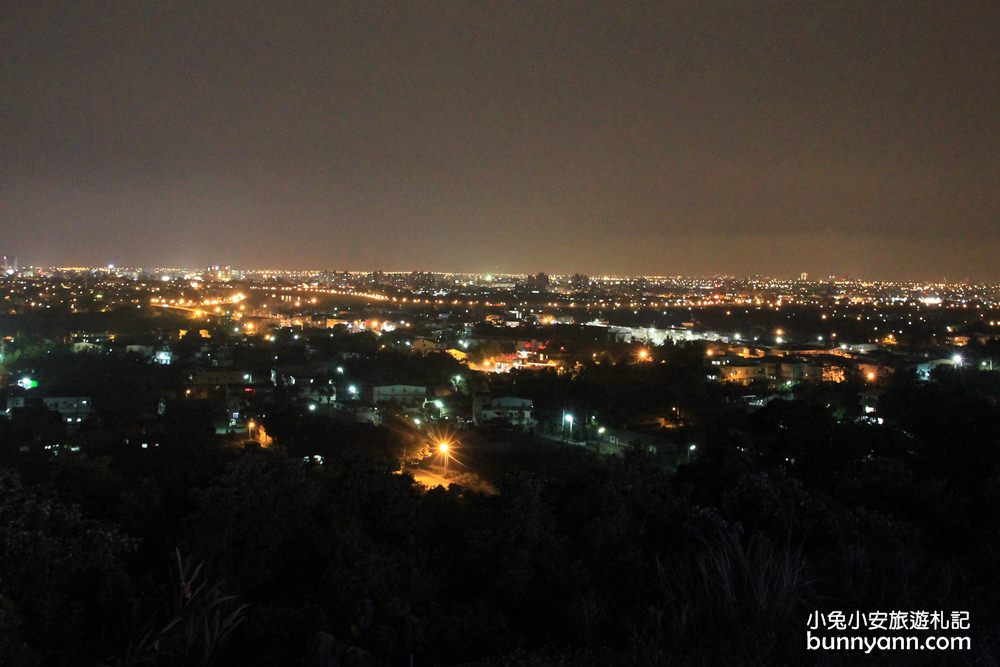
(187, 309)
(428, 478)
(431, 479)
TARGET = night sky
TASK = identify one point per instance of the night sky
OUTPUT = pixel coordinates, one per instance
(842, 138)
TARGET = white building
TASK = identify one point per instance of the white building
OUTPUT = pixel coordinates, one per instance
(516, 411)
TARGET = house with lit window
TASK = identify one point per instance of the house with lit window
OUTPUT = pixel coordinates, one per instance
(72, 409)
(743, 371)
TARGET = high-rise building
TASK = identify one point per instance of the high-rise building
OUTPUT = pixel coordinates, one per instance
(537, 281)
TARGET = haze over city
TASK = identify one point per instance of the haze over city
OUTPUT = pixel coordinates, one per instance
(853, 139)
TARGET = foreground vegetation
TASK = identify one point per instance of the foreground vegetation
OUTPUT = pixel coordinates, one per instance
(200, 552)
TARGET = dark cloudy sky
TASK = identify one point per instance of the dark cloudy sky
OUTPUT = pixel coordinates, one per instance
(855, 138)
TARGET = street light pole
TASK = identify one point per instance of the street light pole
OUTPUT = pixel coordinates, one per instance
(445, 450)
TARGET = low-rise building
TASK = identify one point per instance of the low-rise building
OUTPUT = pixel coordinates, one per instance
(213, 377)
(616, 440)
(357, 412)
(743, 371)
(516, 411)
(425, 345)
(71, 409)
(403, 394)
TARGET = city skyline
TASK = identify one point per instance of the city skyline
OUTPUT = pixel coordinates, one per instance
(855, 139)
(801, 276)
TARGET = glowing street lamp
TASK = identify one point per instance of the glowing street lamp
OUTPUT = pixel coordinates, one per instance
(691, 448)
(445, 450)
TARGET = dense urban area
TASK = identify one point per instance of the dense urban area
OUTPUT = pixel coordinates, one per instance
(222, 466)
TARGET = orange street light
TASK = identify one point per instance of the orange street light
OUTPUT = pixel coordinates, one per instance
(445, 450)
